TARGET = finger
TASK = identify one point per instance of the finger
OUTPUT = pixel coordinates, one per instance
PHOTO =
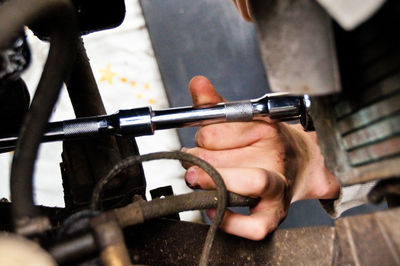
(250, 182)
(244, 9)
(248, 156)
(203, 92)
(255, 226)
(234, 135)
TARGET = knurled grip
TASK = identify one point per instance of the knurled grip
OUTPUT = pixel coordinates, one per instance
(79, 129)
(239, 111)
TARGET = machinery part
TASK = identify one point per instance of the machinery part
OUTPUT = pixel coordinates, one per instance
(357, 235)
(14, 102)
(359, 130)
(85, 162)
(163, 192)
(14, 15)
(110, 239)
(15, 59)
(297, 46)
(92, 15)
(222, 194)
(173, 243)
(143, 121)
(83, 245)
(74, 249)
(95, 15)
(76, 222)
(388, 189)
(348, 243)
(16, 250)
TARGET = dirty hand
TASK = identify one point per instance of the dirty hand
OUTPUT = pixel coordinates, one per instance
(243, 8)
(278, 163)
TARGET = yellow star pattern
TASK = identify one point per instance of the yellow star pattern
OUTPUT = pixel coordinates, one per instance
(107, 74)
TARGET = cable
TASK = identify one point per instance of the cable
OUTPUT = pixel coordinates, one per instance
(222, 194)
(63, 30)
(73, 220)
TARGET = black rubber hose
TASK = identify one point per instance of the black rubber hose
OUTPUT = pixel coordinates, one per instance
(58, 16)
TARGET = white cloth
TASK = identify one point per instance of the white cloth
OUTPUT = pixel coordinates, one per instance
(350, 197)
(349, 14)
(127, 74)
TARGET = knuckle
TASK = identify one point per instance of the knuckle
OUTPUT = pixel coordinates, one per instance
(260, 181)
(205, 136)
(260, 229)
(264, 226)
(204, 155)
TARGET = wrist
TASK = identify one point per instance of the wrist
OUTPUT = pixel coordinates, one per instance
(312, 179)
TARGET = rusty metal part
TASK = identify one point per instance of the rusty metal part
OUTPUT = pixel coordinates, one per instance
(358, 130)
(129, 215)
(385, 88)
(138, 212)
(389, 189)
(378, 131)
(141, 211)
(222, 193)
(16, 250)
(376, 158)
(370, 114)
(385, 169)
(85, 162)
(163, 192)
(165, 242)
(32, 226)
(76, 222)
(297, 46)
(169, 242)
(110, 240)
(332, 147)
(374, 152)
(75, 249)
(372, 239)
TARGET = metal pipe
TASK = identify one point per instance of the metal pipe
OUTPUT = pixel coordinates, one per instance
(82, 246)
(144, 121)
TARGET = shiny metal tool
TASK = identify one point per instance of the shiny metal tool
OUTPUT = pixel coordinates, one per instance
(144, 121)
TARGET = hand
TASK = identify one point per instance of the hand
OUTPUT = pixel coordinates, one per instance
(278, 163)
(243, 8)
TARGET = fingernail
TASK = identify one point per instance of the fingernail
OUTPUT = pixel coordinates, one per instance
(184, 149)
(211, 213)
(191, 177)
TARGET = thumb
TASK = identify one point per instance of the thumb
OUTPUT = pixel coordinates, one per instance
(203, 92)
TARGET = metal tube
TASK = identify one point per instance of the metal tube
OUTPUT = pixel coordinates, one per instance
(74, 249)
(144, 121)
(82, 246)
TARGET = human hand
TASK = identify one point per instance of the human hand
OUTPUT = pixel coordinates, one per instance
(278, 163)
(244, 9)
